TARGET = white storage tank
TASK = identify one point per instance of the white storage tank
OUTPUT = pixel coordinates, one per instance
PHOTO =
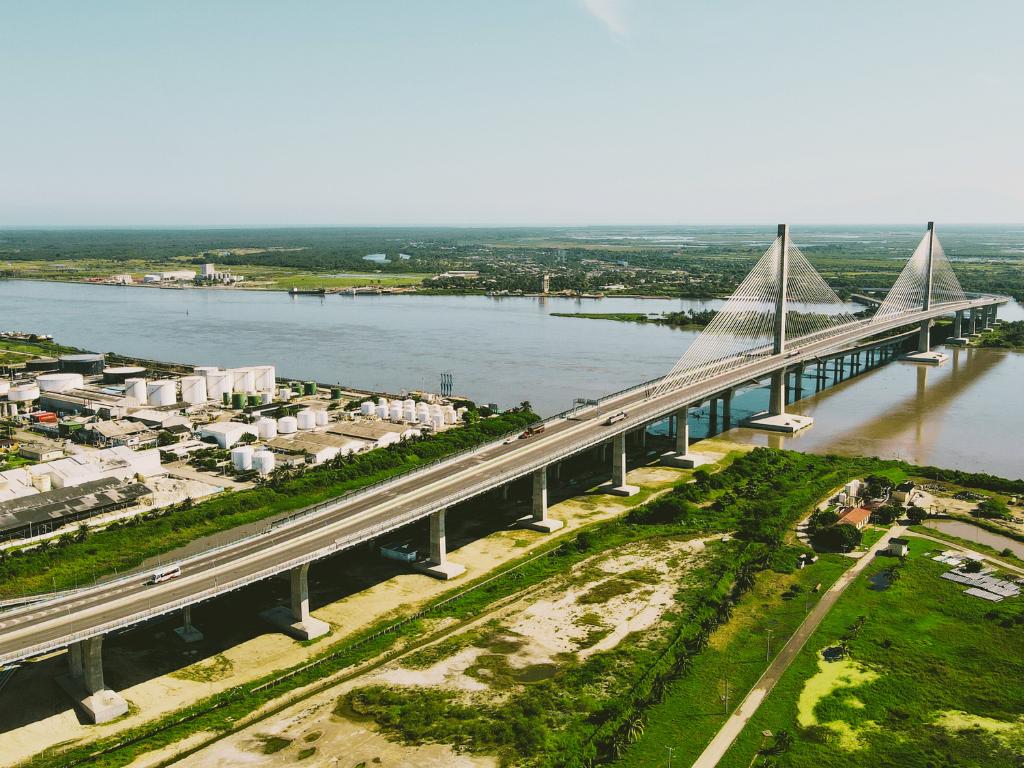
(265, 377)
(135, 389)
(5, 387)
(241, 457)
(285, 393)
(450, 416)
(408, 403)
(263, 462)
(193, 389)
(266, 428)
(382, 411)
(437, 421)
(205, 370)
(367, 408)
(423, 417)
(409, 414)
(287, 425)
(23, 393)
(218, 384)
(305, 419)
(321, 418)
(242, 380)
(59, 382)
(395, 410)
(162, 392)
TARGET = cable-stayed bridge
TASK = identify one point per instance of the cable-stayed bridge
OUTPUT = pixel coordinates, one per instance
(782, 316)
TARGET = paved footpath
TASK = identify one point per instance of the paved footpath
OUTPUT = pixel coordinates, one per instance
(731, 728)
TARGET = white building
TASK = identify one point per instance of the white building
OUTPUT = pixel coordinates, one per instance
(227, 433)
(121, 463)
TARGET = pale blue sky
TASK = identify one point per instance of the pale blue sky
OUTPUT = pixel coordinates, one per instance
(528, 112)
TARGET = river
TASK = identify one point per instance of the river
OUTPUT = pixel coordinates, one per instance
(964, 414)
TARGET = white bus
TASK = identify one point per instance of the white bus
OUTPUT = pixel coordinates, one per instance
(165, 574)
(614, 418)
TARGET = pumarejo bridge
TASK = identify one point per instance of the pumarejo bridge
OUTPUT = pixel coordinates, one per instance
(782, 317)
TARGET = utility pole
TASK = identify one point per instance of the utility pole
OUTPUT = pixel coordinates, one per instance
(768, 649)
(671, 750)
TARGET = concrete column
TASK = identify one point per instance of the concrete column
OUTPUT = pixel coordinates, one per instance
(295, 619)
(681, 456)
(712, 416)
(727, 410)
(539, 520)
(438, 565)
(798, 382)
(958, 324)
(924, 337)
(619, 485)
(187, 631)
(777, 394)
(974, 323)
(85, 683)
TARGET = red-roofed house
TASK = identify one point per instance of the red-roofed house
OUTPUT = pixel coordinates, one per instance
(858, 517)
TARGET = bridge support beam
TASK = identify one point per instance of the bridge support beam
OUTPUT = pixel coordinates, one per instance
(187, 631)
(925, 354)
(727, 410)
(958, 337)
(84, 682)
(681, 456)
(775, 419)
(974, 323)
(539, 520)
(619, 485)
(438, 565)
(295, 619)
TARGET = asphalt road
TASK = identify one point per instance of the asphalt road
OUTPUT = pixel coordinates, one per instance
(45, 626)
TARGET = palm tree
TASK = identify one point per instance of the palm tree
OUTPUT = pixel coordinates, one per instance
(635, 729)
(82, 532)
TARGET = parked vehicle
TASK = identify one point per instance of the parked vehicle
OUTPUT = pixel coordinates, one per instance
(614, 418)
(165, 574)
(531, 431)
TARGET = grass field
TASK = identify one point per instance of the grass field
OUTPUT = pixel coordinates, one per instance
(693, 709)
(933, 679)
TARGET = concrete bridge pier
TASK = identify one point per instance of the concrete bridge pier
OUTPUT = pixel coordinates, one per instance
(958, 337)
(727, 410)
(776, 419)
(681, 456)
(438, 565)
(539, 520)
(294, 619)
(924, 353)
(619, 485)
(973, 327)
(84, 682)
(187, 631)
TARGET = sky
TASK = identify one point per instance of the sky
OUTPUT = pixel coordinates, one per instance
(472, 112)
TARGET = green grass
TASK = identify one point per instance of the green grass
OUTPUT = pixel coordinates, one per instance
(692, 710)
(273, 744)
(933, 649)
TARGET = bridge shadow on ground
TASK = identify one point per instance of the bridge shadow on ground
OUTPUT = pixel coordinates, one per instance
(152, 650)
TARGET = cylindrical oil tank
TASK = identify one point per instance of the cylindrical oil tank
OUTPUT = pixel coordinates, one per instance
(238, 400)
(225, 398)
(5, 386)
(366, 408)
(437, 421)
(382, 411)
(267, 429)
(309, 388)
(243, 380)
(285, 393)
(162, 392)
(59, 382)
(287, 425)
(321, 418)
(449, 416)
(409, 414)
(408, 403)
(241, 457)
(135, 389)
(395, 410)
(193, 389)
(335, 393)
(87, 365)
(42, 364)
(205, 370)
(265, 377)
(254, 400)
(306, 419)
(120, 374)
(423, 417)
(23, 393)
(263, 462)
(382, 401)
(218, 384)
(266, 398)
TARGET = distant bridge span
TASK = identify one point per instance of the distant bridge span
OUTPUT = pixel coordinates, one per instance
(81, 617)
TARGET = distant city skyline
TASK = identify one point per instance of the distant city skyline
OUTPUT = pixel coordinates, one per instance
(535, 113)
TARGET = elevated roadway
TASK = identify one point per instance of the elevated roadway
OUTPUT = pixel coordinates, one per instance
(345, 522)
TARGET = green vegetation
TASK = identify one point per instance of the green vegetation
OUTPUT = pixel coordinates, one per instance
(125, 545)
(273, 744)
(687, 319)
(1005, 336)
(593, 709)
(931, 677)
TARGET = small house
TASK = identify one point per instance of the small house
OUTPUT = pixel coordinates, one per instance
(899, 547)
(903, 492)
(857, 517)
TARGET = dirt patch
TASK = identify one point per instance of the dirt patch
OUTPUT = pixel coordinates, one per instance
(830, 677)
(1010, 732)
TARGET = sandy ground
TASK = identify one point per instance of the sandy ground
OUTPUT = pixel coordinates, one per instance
(549, 619)
(44, 717)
